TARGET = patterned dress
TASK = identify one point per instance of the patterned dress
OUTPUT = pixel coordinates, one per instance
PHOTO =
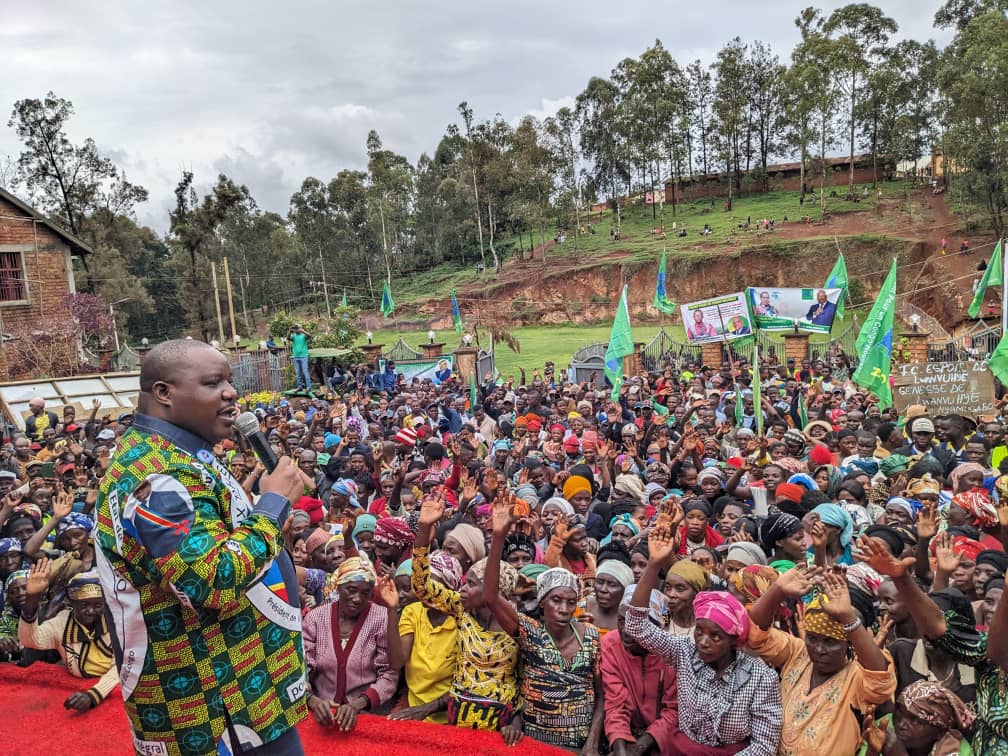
(202, 596)
(484, 690)
(966, 645)
(559, 696)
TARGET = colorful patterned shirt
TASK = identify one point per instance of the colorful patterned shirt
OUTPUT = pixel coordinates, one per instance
(203, 598)
(558, 696)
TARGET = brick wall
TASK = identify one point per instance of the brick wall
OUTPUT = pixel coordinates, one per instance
(46, 269)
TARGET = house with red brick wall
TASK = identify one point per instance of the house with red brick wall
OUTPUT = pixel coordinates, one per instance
(36, 264)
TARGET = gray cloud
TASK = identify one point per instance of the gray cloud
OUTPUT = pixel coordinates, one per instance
(272, 93)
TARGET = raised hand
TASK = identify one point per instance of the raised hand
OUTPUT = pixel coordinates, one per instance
(798, 581)
(432, 509)
(885, 625)
(504, 514)
(662, 543)
(1002, 513)
(946, 557)
(38, 577)
(874, 553)
(562, 528)
(819, 536)
(927, 521)
(386, 593)
(837, 605)
(62, 504)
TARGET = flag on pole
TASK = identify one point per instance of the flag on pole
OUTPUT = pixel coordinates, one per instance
(739, 412)
(991, 277)
(661, 301)
(344, 302)
(875, 343)
(620, 345)
(472, 391)
(837, 279)
(757, 393)
(802, 412)
(456, 314)
(387, 305)
(998, 361)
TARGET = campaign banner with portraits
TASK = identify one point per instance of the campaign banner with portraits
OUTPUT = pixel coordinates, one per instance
(723, 318)
(812, 310)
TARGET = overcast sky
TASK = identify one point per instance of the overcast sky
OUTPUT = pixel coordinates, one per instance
(272, 92)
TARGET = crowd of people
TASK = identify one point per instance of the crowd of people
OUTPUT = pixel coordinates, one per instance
(651, 573)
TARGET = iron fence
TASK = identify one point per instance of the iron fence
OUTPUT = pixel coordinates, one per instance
(261, 370)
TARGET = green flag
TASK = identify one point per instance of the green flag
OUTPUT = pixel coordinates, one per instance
(991, 277)
(802, 411)
(661, 302)
(620, 345)
(998, 361)
(344, 299)
(875, 343)
(757, 394)
(472, 391)
(739, 412)
(837, 279)
(387, 305)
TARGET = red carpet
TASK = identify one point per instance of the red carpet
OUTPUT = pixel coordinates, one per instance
(35, 722)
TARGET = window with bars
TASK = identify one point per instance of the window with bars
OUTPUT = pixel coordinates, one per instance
(13, 287)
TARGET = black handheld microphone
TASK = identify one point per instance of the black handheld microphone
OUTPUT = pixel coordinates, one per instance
(248, 425)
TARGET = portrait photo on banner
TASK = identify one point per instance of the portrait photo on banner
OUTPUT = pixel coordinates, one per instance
(723, 318)
(812, 310)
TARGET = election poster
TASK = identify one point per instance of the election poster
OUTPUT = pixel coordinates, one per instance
(437, 370)
(723, 318)
(812, 310)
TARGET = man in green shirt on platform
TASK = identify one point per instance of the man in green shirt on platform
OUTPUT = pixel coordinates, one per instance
(299, 354)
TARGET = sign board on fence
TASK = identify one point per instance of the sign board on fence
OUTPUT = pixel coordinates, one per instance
(944, 388)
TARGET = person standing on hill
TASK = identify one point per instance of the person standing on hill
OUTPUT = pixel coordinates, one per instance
(299, 355)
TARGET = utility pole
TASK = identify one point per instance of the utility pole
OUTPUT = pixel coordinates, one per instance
(216, 301)
(325, 288)
(241, 288)
(227, 283)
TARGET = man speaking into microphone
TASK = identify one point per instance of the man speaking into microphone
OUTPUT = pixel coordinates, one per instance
(202, 597)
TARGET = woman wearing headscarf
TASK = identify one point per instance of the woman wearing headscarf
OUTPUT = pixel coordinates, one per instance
(484, 689)
(363, 534)
(622, 529)
(741, 555)
(519, 550)
(835, 670)
(79, 634)
(782, 537)
(729, 700)
(561, 685)
(696, 530)
(832, 532)
(393, 543)
(352, 648)
(611, 579)
(465, 542)
(430, 644)
(683, 581)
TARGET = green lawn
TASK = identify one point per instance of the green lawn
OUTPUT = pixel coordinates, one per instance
(538, 343)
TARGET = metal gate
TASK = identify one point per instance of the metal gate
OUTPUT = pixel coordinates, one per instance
(261, 370)
(588, 360)
(485, 367)
(664, 351)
